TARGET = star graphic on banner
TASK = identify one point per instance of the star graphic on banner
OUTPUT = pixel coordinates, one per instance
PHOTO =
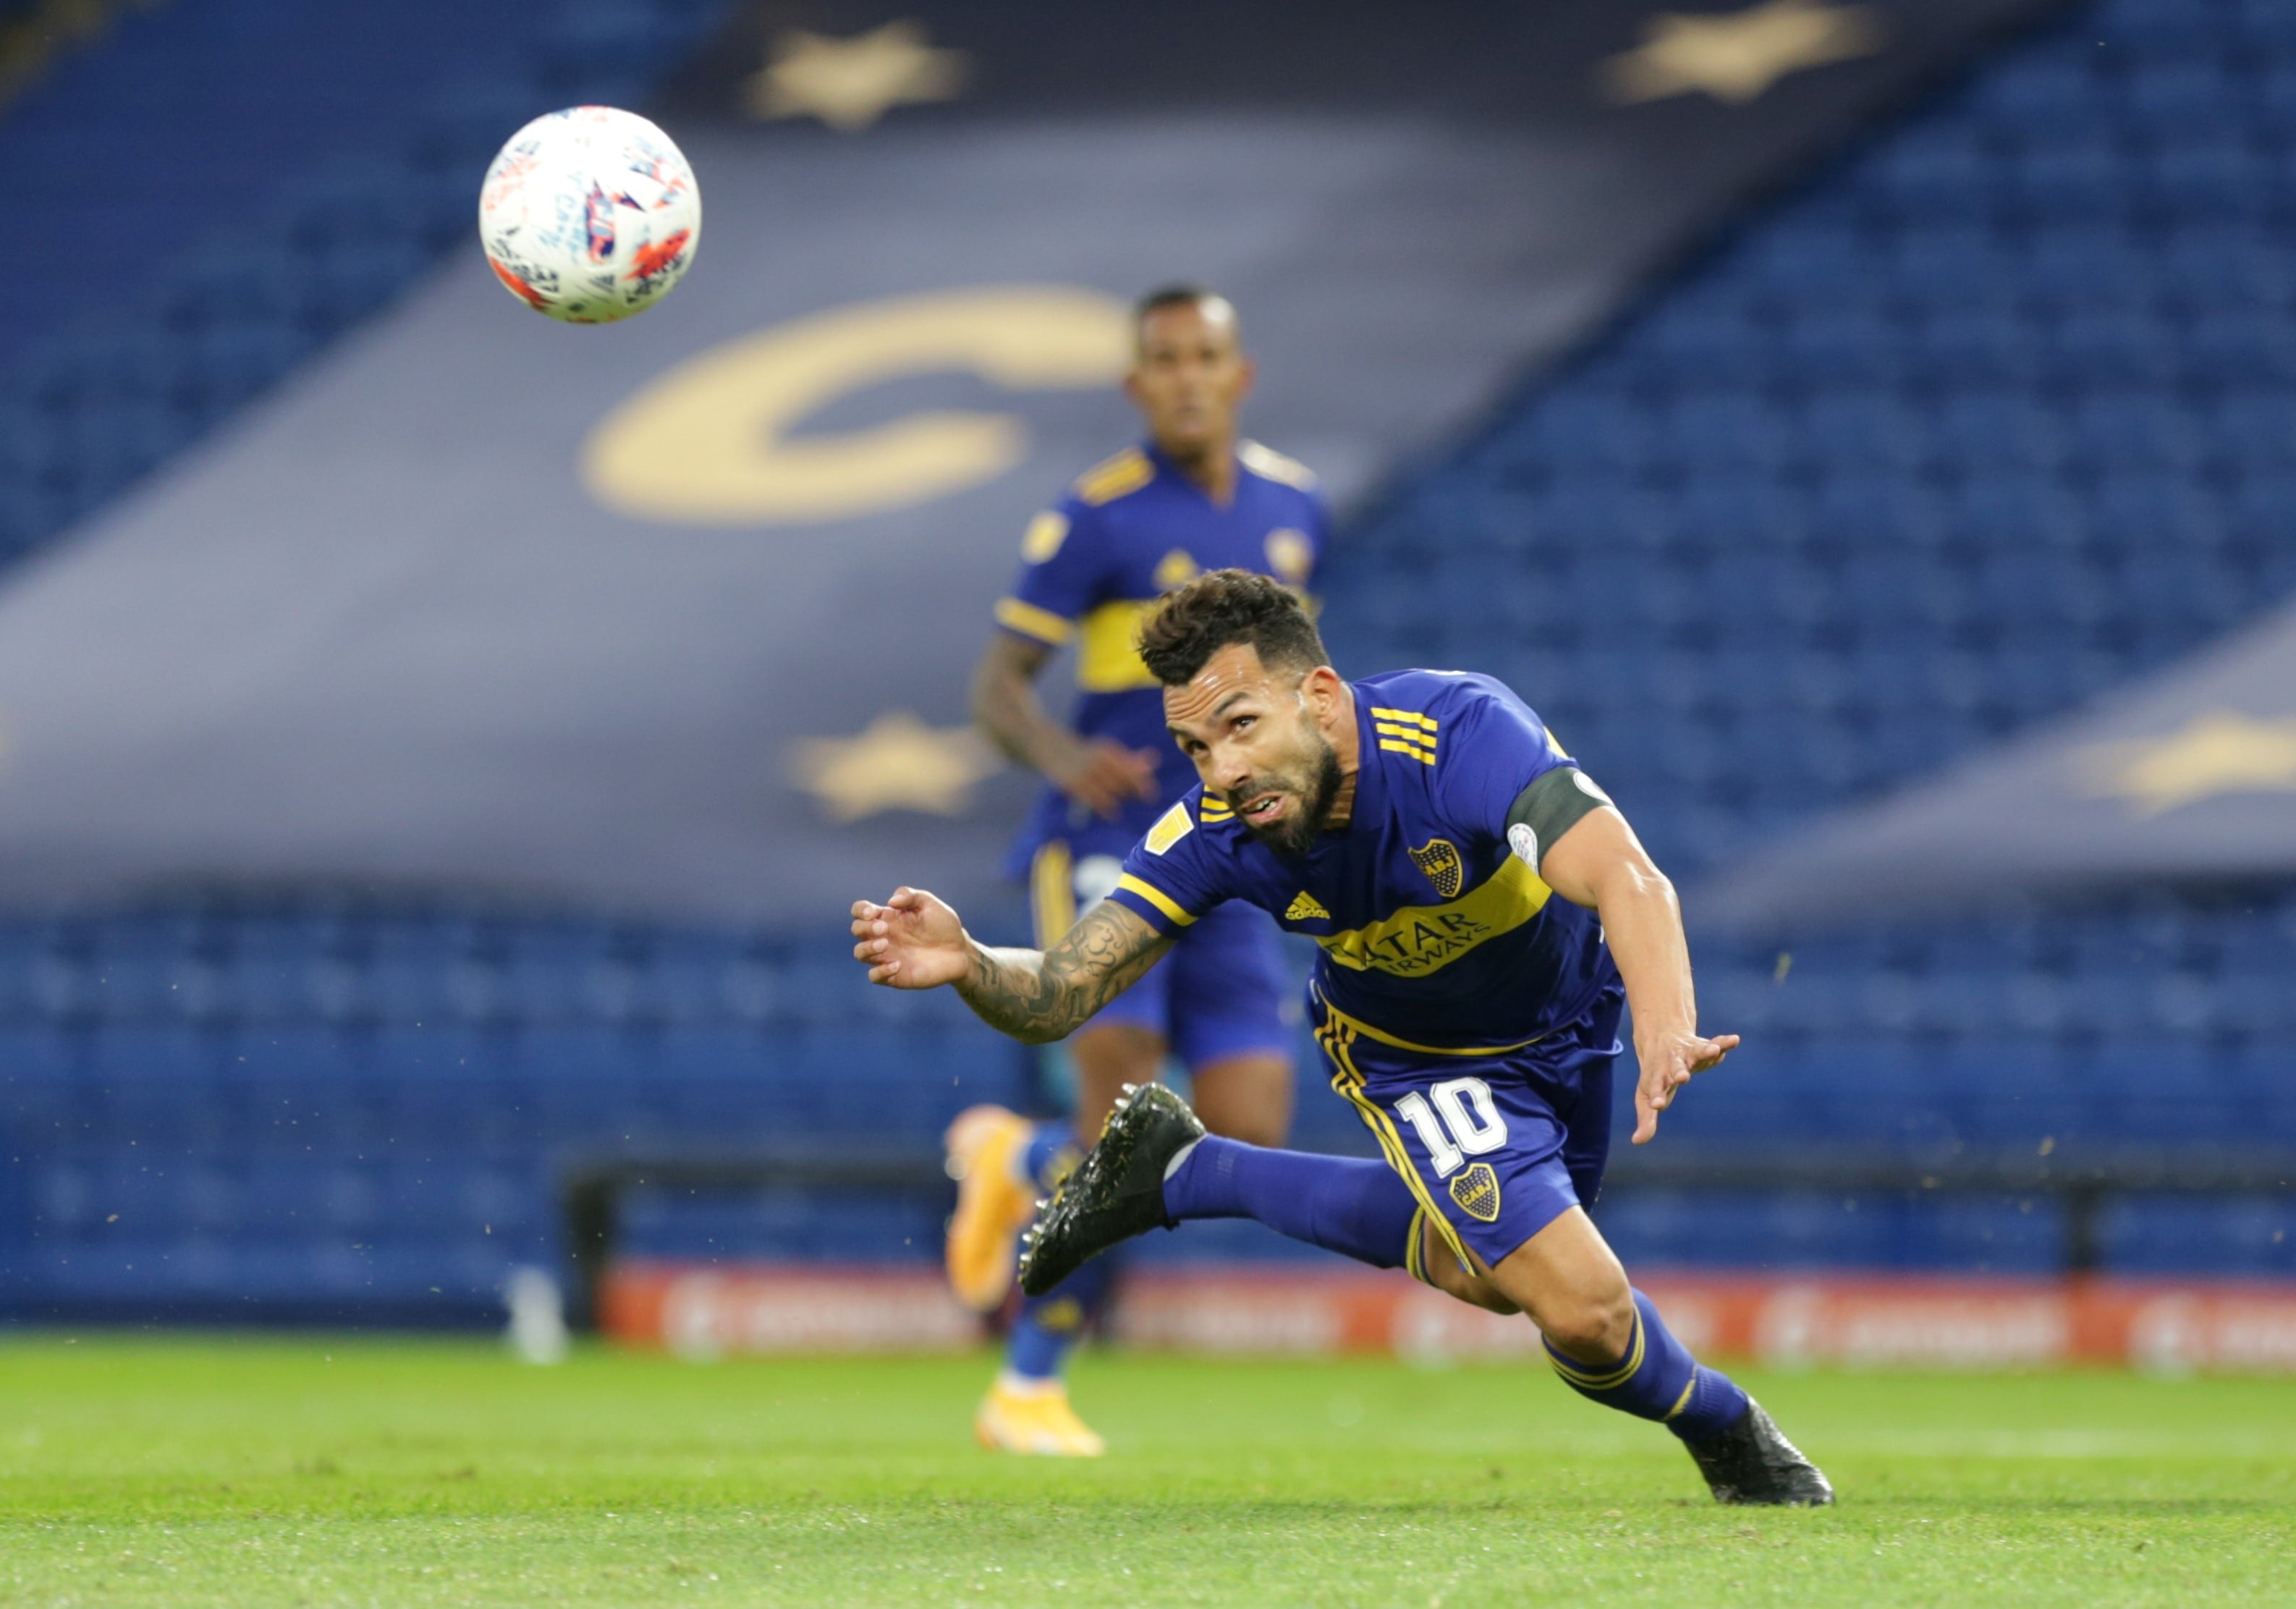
(1737, 55)
(2223, 752)
(848, 84)
(898, 763)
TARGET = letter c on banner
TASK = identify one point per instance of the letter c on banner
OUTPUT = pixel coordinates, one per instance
(710, 442)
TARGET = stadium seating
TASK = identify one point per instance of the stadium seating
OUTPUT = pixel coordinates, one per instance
(1997, 413)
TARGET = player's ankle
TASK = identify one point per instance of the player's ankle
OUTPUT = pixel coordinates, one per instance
(1013, 1383)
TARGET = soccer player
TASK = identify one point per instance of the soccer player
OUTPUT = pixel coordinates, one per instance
(1483, 910)
(1192, 497)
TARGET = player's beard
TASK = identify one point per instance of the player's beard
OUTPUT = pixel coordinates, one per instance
(1293, 836)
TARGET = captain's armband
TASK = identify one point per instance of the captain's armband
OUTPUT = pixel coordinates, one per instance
(1550, 807)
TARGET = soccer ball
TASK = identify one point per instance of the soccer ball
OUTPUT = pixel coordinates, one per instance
(589, 214)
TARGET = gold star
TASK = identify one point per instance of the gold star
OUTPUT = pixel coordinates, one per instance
(848, 84)
(1737, 56)
(2223, 752)
(899, 763)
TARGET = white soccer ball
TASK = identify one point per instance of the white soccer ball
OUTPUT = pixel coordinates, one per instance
(589, 214)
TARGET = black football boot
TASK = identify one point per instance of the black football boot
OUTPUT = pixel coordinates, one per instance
(1116, 1192)
(1753, 1463)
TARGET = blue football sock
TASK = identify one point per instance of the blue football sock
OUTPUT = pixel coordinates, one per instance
(1050, 1153)
(1049, 1325)
(1346, 1204)
(1657, 1379)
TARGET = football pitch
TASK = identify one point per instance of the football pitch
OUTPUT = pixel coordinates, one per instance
(313, 1471)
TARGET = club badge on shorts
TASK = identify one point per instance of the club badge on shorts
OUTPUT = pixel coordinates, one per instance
(1477, 1192)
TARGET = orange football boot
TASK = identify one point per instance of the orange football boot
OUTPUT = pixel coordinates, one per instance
(1034, 1417)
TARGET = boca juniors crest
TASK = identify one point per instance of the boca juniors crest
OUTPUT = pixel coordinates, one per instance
(1439, 860)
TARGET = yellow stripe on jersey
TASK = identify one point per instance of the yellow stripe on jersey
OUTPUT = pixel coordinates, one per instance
(1107, 649)
(1113, 478)
(1425, 723)
(1420, 938)
(1363, 1030)
(1156, 896)
(1404, 739)
(1051, 892)
(1029, 620)
(1405, 732)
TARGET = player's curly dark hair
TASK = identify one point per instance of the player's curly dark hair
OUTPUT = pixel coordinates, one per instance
(1222, 607)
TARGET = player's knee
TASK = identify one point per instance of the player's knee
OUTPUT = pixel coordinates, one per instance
(1596, 1325)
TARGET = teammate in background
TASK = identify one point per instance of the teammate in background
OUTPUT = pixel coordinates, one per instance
(1192, 498)
(1418, 825)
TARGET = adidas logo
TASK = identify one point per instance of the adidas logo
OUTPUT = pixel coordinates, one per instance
(1306, 908)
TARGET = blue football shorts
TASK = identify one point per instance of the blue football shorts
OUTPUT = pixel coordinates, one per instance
(1222, 992)
(1496, 1144)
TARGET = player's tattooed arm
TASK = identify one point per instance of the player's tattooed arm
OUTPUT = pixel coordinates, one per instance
(1040, 996)
(915, 940)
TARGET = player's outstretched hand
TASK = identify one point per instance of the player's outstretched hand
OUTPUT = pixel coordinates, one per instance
(1106, 776)
(1669, 1062)
(911, 941)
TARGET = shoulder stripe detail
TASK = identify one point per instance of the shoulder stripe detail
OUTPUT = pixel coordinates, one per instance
(1405, 732)
(1031, 622)
(1162, 902)
(1410, 717)
(1269, 465)
(1106, 481)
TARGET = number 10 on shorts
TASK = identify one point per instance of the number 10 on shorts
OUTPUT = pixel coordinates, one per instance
(1462, 1121)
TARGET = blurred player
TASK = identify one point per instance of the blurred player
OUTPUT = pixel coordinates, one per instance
(1419, 826)
(1192, 498)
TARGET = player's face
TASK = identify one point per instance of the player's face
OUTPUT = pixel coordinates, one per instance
(1189, 376)
(1258, 741)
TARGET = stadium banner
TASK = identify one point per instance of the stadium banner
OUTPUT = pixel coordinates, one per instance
(2189, 774)
(674, 616)
(1918, 1321)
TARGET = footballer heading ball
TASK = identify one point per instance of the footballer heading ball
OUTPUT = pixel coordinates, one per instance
(589, 214)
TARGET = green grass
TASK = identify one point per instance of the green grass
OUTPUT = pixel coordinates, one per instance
(258, 1471)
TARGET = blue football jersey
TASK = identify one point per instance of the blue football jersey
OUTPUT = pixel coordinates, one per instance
(1435, 927)
(1093, 565)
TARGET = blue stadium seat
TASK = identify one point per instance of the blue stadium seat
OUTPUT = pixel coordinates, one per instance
(2185, 1235)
